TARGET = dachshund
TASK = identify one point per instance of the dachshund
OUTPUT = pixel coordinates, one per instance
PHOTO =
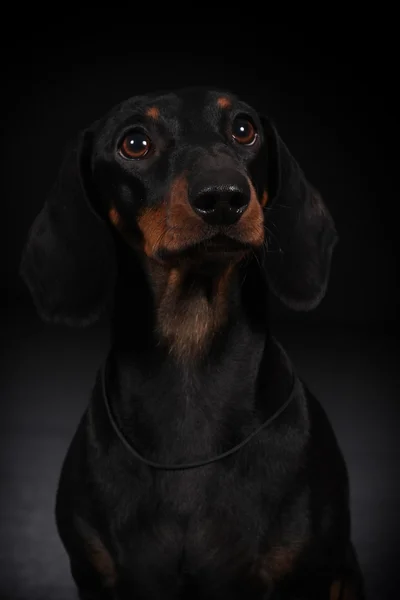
(202, 467)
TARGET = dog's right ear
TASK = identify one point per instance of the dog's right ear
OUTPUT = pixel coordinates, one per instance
(68, 262)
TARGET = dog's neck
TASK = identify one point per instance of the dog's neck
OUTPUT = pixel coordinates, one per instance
(191, 402)
(202, 401)
(192, 305)
(182, 309)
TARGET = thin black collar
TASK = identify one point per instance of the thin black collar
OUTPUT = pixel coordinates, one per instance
(201, 463)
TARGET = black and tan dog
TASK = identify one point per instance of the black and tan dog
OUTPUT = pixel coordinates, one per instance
(202, 467)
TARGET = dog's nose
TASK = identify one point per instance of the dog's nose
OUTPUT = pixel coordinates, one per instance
(220, 198)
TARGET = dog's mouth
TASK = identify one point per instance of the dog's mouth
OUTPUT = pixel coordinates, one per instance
(222, 244)
(219, 247)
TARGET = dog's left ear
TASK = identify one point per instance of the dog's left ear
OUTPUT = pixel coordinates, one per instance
(300, 231)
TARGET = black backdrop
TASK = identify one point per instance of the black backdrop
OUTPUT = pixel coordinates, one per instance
(333, 97)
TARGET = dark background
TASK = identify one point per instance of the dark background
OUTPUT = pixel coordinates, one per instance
(333, 97)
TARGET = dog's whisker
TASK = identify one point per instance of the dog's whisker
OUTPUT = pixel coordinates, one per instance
(274, 237)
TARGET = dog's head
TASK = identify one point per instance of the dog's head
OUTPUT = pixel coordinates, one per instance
(196, 176)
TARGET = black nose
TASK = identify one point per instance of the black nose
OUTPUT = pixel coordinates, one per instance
(220, 198)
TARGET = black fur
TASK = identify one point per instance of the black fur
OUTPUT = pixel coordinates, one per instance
(271, 521)
(298, 263)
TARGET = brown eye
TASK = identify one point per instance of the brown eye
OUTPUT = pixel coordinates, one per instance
(135, 145)
(243, 131)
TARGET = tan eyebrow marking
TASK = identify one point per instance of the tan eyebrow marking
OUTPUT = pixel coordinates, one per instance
(224, 102)
(98, 554)
(153, 112)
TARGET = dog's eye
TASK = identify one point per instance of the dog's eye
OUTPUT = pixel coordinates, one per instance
(243, 131)
(135, 145)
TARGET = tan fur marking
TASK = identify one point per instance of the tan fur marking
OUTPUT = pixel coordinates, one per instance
(97, 553)
(188, 319)
(224, 102)
(171, 225)
(153, 112)
(114, 216)
(153, 225)
(182, 219)
(278, 562)
(250, 228)
(264, 198)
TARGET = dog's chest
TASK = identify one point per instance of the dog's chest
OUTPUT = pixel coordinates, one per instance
(207, 527)
(199, 528)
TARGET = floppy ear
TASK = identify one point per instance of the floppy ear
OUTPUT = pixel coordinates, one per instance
(68, 262)
(300, 231)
